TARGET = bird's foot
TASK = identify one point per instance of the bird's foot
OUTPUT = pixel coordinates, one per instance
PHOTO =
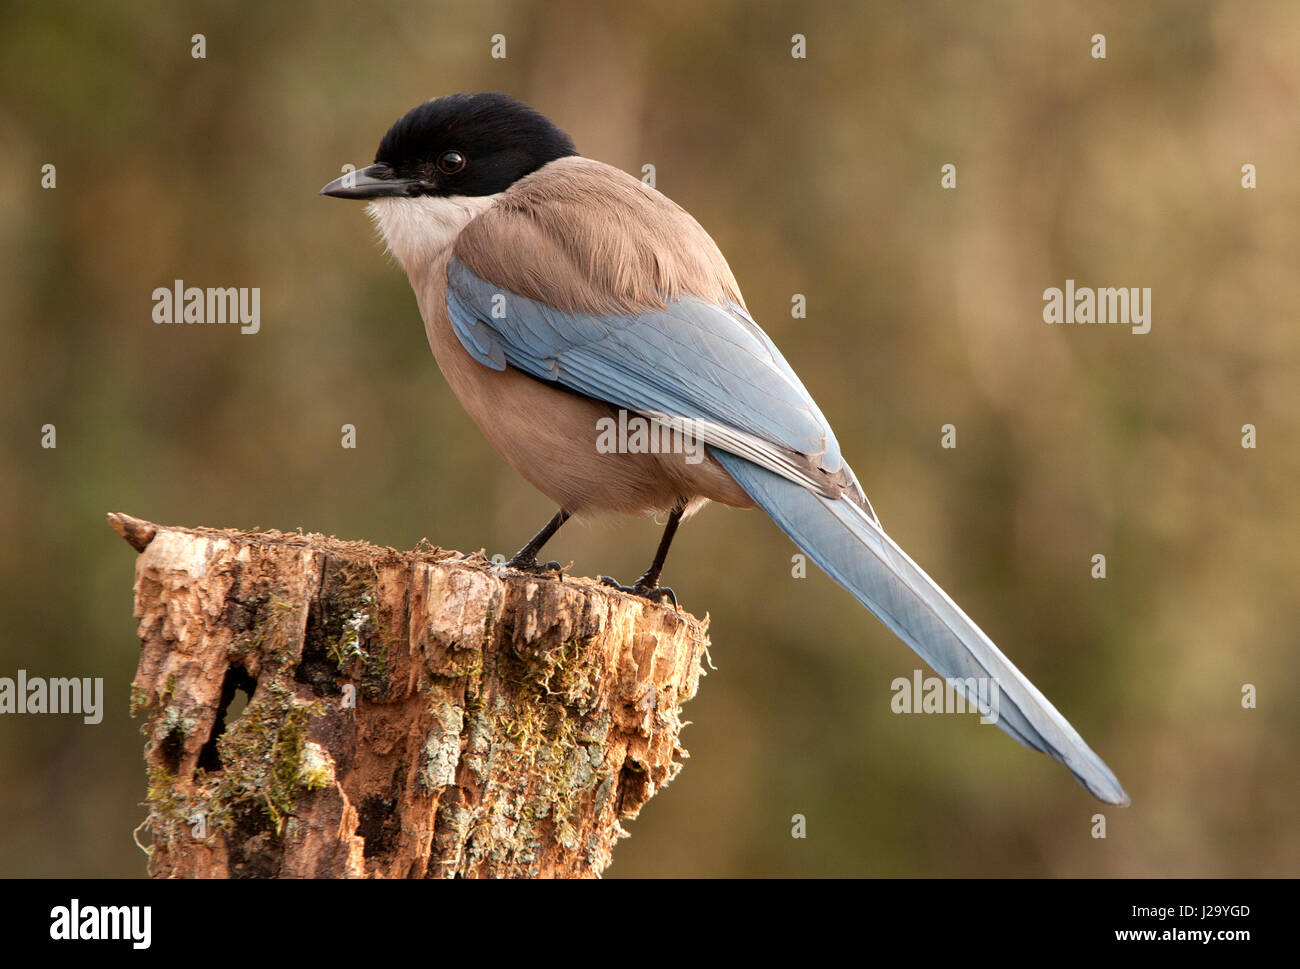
(655, 593)
(529, 563)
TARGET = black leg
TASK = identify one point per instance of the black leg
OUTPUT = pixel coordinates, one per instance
(648, 585)
(650, 580)
(526, 558)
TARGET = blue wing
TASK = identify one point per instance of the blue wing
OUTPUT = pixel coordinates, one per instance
(711, 365)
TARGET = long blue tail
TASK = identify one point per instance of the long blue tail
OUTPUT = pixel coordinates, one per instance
(854, 551)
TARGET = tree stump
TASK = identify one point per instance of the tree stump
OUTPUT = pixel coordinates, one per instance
(421, 714)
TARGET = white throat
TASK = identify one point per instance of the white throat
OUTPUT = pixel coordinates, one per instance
(418, 230)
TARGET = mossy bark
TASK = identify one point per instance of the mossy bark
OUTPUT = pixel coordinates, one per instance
(419, 714)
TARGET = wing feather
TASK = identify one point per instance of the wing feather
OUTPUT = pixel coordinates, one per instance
(689, 361)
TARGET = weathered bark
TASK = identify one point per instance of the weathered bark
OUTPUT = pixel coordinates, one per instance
(413, 714)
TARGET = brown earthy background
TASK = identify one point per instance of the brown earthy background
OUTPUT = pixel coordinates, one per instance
(817, 176)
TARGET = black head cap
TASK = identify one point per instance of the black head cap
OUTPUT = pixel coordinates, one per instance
(461, 144)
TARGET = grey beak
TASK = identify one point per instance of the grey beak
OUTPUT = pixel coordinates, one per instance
(372, 182)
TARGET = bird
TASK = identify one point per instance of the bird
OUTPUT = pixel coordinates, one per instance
(559, 293)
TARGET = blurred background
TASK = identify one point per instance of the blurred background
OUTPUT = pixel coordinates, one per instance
(818, 176)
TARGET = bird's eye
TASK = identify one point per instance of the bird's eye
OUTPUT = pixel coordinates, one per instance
(451, 162)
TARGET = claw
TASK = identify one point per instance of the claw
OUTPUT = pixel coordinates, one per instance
(655, 593)
(530, 564)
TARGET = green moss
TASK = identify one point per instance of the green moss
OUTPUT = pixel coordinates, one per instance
(162, 796)
(564, 672)
(264, 760)
(169, 811)
(139, 699)
(352, 636)
(541, 735)
(265, 622)
(316, 772)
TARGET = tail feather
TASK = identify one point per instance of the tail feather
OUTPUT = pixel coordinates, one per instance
(853, 550)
